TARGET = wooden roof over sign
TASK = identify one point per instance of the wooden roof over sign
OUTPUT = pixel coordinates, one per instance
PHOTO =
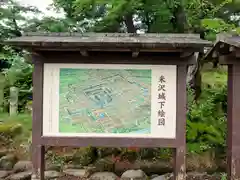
(103, 41)
(225, 44)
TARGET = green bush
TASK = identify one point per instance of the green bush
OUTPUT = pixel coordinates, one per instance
(206, 120)
(20, 76)
(9, 130)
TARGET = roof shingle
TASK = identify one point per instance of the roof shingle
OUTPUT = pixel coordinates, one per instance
(111, 40)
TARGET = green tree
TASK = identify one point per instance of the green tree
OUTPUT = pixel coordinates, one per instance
(148, 15)
(13, 18)
(207, 17)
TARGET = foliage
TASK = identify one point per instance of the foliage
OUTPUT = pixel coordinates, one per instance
(216, 26)
(206, 121)
(149, 16)
(10, 130)
(18, 75)
(223, 176)
(15, 130)
(51, 24)
(12, 18)
(12, 21)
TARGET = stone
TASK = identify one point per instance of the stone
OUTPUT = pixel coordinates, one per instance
(162, 177)
(153, 176)
(90, 168)
(134, 175)
(3, 152)
(103, 152)
(72, 166)
(52, 174)
(198, 176)
(21, 176)
(21, 166)
(53, 167)
(105, 164)
(4, 174)
(104, 176)
(81, 173)
(148, 166)
(34, 177)
(7, 162)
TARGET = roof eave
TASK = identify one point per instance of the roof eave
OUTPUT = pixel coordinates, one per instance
(103, 46)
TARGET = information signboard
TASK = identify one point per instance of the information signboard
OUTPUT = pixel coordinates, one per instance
(109, 100)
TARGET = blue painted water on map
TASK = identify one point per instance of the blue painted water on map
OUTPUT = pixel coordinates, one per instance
(102, 115)
(145, 92)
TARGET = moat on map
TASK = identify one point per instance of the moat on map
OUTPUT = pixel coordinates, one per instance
(105, 101)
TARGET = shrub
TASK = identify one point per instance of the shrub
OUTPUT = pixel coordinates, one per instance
(206, 120)
(9, 130)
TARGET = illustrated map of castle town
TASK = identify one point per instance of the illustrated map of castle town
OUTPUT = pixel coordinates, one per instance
(105, 101)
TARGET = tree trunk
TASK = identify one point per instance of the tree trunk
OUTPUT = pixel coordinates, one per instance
(180, 25)
(179, 20)
(194, 76)
(129, 23)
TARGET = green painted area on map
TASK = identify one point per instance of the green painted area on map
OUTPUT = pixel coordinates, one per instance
(105, 101)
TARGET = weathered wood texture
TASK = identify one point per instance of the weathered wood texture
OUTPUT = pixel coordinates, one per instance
(101, 41)
(224, 44)
(37, 115)
(180, 150)
(233, 136)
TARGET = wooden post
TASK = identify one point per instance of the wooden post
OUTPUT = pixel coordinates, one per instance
(37, 118)
(179, 153)
(233, 122)
(13, 101)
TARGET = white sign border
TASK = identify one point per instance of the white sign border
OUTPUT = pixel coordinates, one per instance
(51, 100)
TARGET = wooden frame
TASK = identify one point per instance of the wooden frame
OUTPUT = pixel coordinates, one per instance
(39, 142)
(233, 123)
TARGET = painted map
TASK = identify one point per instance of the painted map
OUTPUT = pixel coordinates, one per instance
(105, 101)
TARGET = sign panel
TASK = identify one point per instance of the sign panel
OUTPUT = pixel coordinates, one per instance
(110, 100)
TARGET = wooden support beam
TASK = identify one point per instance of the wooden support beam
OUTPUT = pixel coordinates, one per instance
(186, 54)
(180, 151)
(135, 53)
(238, 53)
(84, 53)
(233, 123)
(232, 48)
(37, 115)
(229, 58)
(215, 54)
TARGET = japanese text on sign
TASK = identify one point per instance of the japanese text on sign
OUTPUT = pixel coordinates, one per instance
(161, 100)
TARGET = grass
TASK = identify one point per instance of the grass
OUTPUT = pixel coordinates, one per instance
(214, 77)
(24, 119)
(20, 141)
